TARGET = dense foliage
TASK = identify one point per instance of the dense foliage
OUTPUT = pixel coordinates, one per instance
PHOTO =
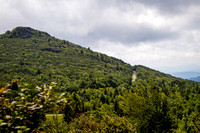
(93, 91)
(23, 108)
(35, 56)
(183, 96)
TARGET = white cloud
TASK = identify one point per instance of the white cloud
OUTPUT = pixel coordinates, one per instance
(156, 55)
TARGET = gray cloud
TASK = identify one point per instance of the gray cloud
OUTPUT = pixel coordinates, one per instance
(130, 35)
(167, 6)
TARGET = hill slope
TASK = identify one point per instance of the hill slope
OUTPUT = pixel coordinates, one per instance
(35, 56)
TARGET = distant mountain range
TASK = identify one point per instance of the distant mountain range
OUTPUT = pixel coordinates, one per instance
(196, 79)
(195, 76)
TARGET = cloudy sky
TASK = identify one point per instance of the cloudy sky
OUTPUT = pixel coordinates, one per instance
(161, 34)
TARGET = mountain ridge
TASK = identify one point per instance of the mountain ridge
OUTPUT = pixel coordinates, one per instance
(36, 56)
(47, 50)
(40, 43)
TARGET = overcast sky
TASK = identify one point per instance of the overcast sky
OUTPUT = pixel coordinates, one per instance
(161, 34)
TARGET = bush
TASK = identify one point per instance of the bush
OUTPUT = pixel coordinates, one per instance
(24, 110)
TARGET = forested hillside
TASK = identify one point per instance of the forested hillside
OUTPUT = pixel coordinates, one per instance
(35, 56)
(41, 75)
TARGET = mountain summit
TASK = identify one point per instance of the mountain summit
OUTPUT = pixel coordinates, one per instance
(24, 32)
